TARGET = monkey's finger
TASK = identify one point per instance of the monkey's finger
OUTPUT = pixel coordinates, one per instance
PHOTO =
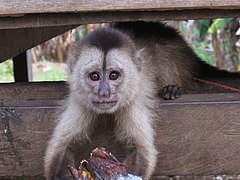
(166, 92)
(175, 93)
(178, 93)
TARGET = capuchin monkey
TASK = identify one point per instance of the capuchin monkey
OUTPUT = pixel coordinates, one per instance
(115, 76)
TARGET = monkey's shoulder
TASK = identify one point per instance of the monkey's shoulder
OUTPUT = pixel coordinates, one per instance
(150, 30)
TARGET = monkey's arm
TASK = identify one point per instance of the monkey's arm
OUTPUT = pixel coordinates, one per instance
(67, 128)
(136, 128)
(56, 149)
(54, 157)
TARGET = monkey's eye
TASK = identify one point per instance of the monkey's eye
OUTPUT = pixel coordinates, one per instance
(114, 75)
(94, 76)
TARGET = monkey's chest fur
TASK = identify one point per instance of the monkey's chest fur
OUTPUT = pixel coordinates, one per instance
(101, 134)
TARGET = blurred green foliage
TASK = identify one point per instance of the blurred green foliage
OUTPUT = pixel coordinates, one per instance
(219, 24)
(6, 71)
(201, 47)
(50, 75)
(200, 39)
(48, 72)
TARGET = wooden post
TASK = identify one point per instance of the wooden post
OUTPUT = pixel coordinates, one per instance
(29, 65)
(20, 67)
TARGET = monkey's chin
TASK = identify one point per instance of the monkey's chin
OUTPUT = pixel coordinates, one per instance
(105, 107)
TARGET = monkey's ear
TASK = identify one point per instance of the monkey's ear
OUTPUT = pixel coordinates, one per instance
(139, 58)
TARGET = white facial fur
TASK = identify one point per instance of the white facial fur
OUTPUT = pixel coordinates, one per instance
(91, 59)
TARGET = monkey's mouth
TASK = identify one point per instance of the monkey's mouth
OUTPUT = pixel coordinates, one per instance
(104, 104)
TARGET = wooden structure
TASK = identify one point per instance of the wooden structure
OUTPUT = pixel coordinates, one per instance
(197, 134)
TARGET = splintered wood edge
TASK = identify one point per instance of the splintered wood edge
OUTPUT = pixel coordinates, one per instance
(19, 7)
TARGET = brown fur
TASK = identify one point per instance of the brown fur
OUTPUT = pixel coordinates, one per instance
(150, 56)
(169, 54)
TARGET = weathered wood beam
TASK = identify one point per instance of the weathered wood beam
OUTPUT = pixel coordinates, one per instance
(47, 90)
(16, 41)
(38, 90)
(199, 137)
(62, 19)
(21, 7)
(197, 134)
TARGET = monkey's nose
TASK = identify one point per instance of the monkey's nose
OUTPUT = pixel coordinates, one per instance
(104, 91)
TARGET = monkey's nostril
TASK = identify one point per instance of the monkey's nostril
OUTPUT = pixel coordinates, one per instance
(104, 91)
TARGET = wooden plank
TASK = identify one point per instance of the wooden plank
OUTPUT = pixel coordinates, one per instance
(196, 134)
(62, 19)
(23, 136)
(200, 138)
(20, 68)
(29, 65)
(16, 41)
(20, 7)
(47, 90)
(40, 90)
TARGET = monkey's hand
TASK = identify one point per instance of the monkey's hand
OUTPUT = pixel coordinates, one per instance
(102, 165)
(170, 92)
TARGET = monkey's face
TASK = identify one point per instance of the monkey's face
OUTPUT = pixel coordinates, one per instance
(104, 81)
(104, 84)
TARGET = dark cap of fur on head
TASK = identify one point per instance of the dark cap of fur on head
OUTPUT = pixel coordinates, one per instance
(107, 38)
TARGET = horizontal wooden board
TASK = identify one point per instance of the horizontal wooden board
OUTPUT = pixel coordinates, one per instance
(62, 19)
(39, 90)
(37, 28)
(47, 90)
(15, 41)
(20, 7)
(199, 138)
(197, 134)
(23, 137)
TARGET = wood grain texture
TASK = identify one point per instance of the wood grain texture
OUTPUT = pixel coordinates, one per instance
(20, 7)
(195, 135)
(199, 138)
(23, 137)
(47, 90)
(15, 41)
(62, 19)
(38, 21)
(39, 90)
